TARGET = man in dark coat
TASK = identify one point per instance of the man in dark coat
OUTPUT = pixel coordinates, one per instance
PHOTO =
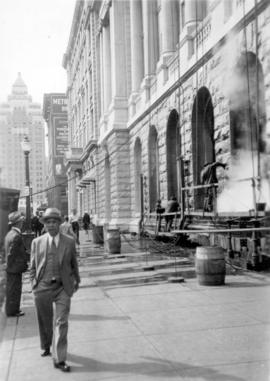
(172, 207)
(74, 220)
(159, 211)
(36, 225)
(86, 222)
(16, 264)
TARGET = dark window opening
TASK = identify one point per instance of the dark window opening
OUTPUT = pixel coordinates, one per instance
(107, 175)
(202, 139)
(173, 152)
(153, 168)
(137, 175)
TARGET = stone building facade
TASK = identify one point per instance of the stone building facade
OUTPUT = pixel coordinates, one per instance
(159, 88)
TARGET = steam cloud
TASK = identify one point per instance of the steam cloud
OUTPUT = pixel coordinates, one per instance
(239, 87)
(237, 194)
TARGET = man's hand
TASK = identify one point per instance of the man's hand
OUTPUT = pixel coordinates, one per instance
(76, 286)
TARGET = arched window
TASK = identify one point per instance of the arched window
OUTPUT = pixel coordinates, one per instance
(107, 175)
(247, 106)
(153, 168)
(137, 175)
(202, 138)
(173, 151)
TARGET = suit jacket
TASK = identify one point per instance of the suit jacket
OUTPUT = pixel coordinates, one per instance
(67, 260)
(172, 206)
(16, 255)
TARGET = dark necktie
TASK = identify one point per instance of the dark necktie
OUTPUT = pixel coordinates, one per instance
(53, 245)
(55, 271)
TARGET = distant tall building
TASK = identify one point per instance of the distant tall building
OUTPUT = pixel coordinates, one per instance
(55, 114)
(19, 116)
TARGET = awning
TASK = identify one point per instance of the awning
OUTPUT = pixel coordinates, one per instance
(86, 180)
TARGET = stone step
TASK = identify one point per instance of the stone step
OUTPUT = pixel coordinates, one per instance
(130, 267)
(134, 257)
(104, 262)
(119, 258)
(143, 277)
(118, 268)
(112, 269)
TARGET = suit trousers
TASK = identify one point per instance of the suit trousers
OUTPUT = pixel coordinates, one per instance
(13, 293)
(53, 306)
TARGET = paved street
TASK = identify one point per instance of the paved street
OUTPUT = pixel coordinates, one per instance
(137, 330)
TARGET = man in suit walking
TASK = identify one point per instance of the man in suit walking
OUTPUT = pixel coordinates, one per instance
(16, 264)
(54, 276)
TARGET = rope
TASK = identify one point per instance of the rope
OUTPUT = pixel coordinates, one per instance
(249, 102)
(257, 92)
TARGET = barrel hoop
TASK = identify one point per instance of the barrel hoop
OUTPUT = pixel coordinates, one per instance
(216, 256)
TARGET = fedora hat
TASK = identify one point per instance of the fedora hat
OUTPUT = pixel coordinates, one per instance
(51, 213)
(14, 218)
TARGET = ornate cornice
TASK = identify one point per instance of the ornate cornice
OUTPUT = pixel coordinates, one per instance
(74, 29)
(104, 14)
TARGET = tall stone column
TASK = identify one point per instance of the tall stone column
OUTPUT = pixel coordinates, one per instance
(118, 12)
(168, 30)
(87, 42)
(120, 46)
(191, 11)
(100, 70)
(150, 30)
(150, 45)
(195, 10)
(188, 25)
(119, 183)
(106, 60)
(136, 37)
(72, 193)
(168, 26)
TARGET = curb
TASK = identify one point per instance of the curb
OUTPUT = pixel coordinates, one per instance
(2, 285)
(7, 340)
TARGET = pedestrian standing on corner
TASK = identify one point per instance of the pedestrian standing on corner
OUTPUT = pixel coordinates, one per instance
(16, 264)
(86, 222)
(54, 277)
(159, 211)
(74, 220)
(66, 228)
(40, 224)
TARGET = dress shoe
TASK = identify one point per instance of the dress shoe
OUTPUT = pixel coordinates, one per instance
(62, 366)
(46, 353)
(20, 313)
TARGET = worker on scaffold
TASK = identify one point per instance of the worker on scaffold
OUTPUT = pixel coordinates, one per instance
(208, 176)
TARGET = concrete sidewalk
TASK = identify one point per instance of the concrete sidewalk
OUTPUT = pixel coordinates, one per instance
(151, 332)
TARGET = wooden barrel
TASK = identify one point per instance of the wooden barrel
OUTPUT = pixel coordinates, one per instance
(210, 265)
(113, 241)
(98, 234)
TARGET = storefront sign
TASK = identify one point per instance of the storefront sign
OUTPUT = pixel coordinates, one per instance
(60, 136)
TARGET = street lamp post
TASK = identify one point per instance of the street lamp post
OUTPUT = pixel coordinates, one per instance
(26, 147)
(28, 234)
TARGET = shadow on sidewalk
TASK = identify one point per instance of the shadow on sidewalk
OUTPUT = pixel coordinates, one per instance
(246, 284)
(154, 367)
(94, 317)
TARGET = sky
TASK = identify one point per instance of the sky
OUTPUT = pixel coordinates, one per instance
(33, 38)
